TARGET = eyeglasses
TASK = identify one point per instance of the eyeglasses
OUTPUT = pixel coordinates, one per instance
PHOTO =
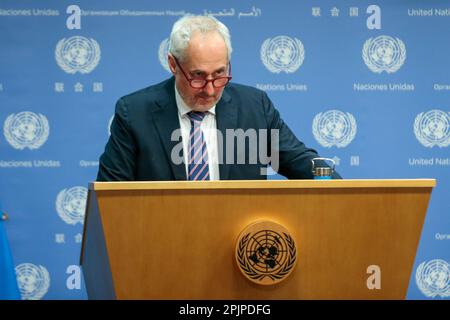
(201, 83)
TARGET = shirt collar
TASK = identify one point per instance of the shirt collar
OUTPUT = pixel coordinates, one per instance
(183, 109)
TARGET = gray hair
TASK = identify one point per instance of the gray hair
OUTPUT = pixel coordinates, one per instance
(184, 28)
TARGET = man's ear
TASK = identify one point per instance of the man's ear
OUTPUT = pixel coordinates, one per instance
(172, 63)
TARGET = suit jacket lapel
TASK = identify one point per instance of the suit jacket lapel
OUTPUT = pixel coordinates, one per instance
(226, 116)
(166, 122)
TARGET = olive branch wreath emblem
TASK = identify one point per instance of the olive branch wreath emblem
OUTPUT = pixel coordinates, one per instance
(281, 273)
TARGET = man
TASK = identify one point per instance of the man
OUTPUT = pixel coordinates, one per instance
(198, 126)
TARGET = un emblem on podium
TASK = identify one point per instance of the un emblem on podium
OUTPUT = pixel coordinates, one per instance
(265, 253)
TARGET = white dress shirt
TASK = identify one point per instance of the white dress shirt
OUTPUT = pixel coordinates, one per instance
(209, 128)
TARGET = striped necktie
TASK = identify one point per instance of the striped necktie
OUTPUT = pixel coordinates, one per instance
(198, 168)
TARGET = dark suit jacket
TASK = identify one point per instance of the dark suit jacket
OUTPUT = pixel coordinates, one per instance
(140, 145)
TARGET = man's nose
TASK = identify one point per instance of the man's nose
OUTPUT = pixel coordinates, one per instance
(209, 88)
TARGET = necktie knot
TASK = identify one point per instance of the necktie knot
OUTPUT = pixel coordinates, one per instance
(196, 116)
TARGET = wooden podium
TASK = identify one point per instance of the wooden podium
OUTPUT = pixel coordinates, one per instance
(177, 240)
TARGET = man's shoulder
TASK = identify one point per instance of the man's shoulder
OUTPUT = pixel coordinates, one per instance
(248, 98)
(151, 93)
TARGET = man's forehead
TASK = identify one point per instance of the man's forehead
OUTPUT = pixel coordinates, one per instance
(206, 66)
(209, 63)
(211, 42)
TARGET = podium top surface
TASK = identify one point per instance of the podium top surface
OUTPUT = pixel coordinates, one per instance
(262, 184)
